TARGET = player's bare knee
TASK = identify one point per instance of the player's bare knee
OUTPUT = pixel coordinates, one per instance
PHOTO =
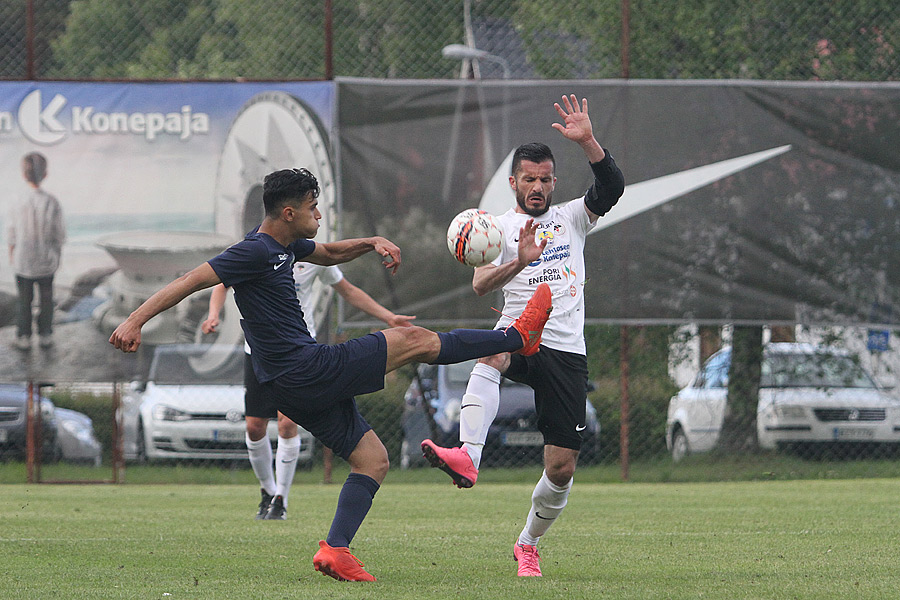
(498, 361)
(370, 457)
(256, 428)
(287, 428)
(374, 464)
(383, 465)
(561, 475)
(560, 466)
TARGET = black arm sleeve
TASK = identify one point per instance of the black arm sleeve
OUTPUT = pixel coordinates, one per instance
(608, 187)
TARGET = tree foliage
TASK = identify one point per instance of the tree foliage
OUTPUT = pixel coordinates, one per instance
(799, 40)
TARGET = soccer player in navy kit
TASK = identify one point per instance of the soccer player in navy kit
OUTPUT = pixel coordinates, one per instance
(275, 484)
(314, 384)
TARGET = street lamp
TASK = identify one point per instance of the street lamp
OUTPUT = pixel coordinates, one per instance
(463, 52)
(468, 53)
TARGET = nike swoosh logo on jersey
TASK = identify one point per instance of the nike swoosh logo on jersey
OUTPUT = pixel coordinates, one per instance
(580, 427)
(276, 267)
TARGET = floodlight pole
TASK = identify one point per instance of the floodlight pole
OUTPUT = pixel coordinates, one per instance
(466, 54)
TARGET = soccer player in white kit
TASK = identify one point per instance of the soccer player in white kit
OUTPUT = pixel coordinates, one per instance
(558, 372)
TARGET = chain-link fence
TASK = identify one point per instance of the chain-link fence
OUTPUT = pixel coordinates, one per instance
(522, 39)
(665, 403)
(654, 397)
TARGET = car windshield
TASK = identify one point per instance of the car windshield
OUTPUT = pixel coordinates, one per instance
(198, 364)
(813, 370)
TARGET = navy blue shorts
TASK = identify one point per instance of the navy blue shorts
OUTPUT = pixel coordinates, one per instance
(256, 402)
(559, 380)
(318, 394)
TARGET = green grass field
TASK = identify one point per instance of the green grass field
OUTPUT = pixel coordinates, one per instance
(759, 539)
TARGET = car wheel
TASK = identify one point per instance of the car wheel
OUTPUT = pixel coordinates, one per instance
(680, 447)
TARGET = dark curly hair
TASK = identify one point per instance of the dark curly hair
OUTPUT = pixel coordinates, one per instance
(287, 185)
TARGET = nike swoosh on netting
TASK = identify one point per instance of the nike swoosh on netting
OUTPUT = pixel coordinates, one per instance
(638, 197)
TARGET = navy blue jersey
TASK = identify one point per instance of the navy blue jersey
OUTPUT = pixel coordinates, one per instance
(261, 272)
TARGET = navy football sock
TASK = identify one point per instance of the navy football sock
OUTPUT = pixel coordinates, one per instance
(462, 344)
(353, 505)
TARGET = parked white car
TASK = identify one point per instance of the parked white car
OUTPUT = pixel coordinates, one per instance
(192, 407)
(807, 394)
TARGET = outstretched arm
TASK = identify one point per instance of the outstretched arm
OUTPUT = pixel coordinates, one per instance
(127, 336)
(364, 302)
(609, 183)
(335, 253)
(216, 302)
(491, 277)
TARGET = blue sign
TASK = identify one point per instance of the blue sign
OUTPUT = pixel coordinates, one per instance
(879, 340)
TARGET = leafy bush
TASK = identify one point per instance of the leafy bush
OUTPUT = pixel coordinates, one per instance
(649, 401)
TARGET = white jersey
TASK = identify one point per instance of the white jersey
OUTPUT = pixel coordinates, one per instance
(37, 231)
(304, 275)
(561, 266)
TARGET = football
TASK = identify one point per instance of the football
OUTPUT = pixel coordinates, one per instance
(474, 238)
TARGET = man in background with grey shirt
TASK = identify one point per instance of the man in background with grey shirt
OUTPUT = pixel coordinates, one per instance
(36, 233)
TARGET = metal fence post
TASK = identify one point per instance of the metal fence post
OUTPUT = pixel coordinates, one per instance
(624, 401)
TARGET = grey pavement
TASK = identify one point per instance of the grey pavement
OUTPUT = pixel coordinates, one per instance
(80, 353)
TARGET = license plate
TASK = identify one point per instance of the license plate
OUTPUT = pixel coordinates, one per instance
(228, 435)
(3, 436)
(523, 438)
(854, 433)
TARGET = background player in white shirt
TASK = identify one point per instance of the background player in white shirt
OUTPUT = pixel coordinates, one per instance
(542, 244)
(275, 485)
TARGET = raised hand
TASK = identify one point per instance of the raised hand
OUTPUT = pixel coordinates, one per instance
(528, 250)
(577, 125)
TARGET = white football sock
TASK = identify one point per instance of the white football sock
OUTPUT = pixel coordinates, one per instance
(547, 502)
(286, 464)
(478, 409)
(260, 453)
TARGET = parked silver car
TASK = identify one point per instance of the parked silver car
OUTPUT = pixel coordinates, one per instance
(77, 441)
(192, 407)
(513, 439)
(13, 424)
(808, 394)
